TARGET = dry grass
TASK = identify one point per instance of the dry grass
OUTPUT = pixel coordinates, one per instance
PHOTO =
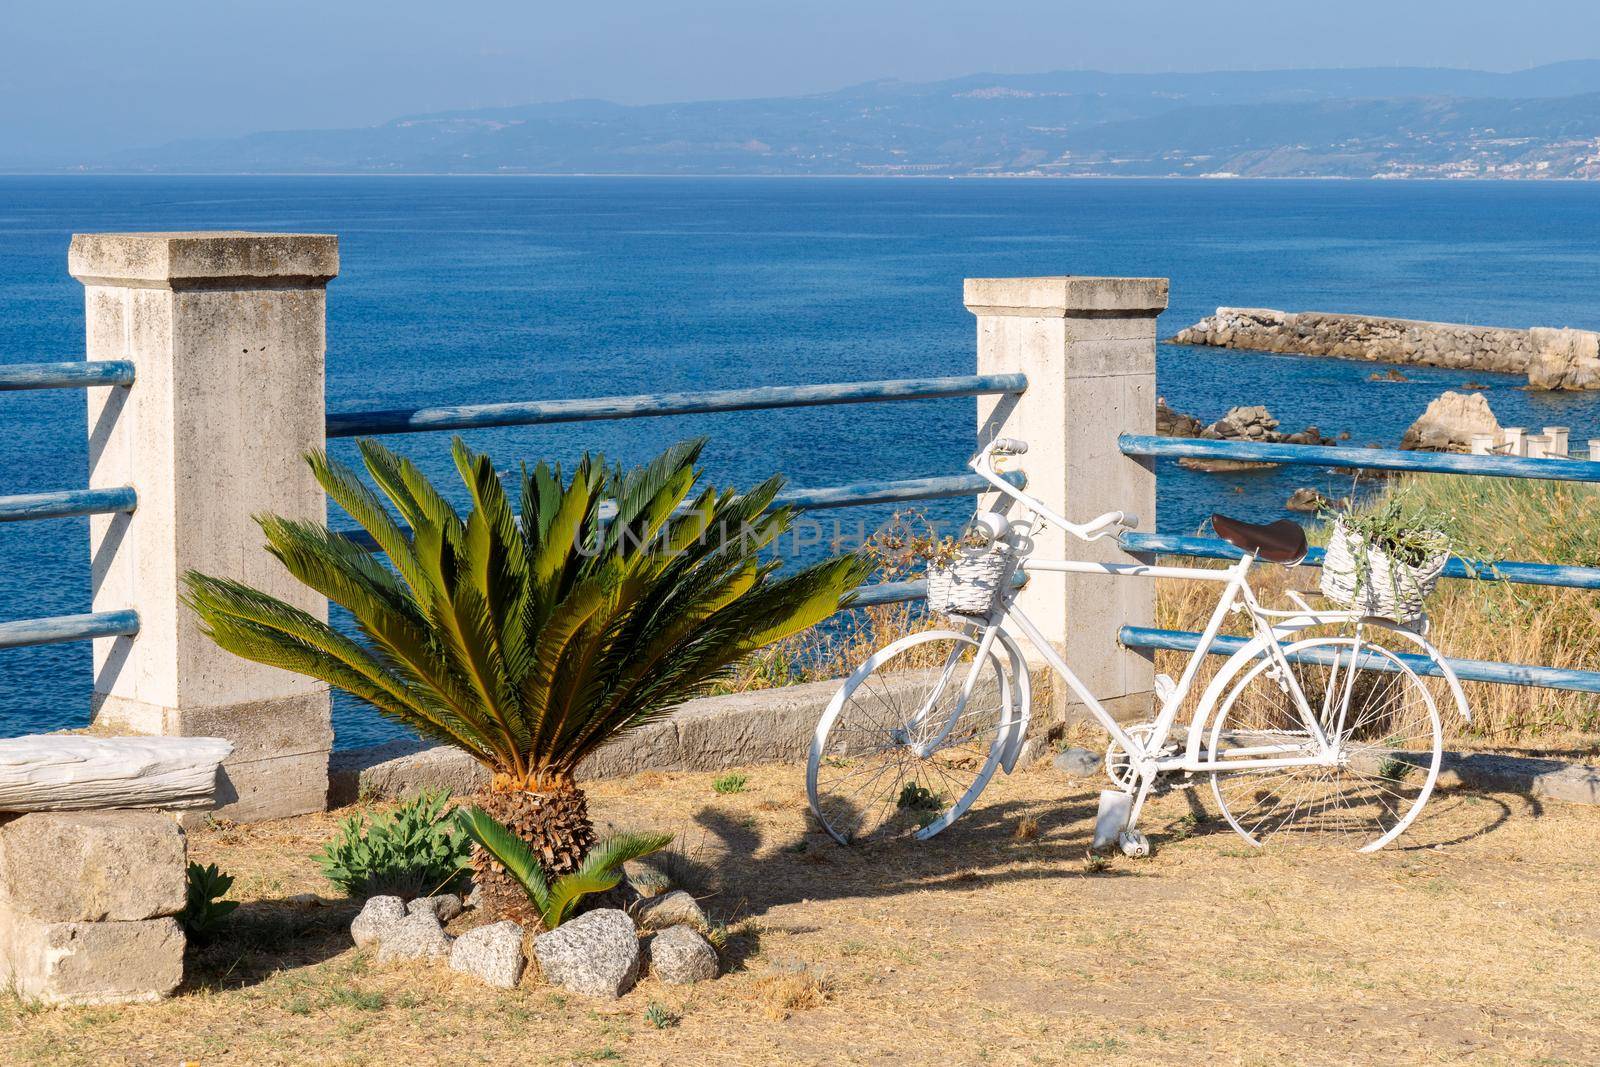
(1477, 940)
(1488, 519)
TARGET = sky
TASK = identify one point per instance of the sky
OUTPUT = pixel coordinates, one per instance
(79, 77)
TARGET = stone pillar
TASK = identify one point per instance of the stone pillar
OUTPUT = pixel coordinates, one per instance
(1088, 347)
(1560, 441)
(226, 332)
(1594, 449)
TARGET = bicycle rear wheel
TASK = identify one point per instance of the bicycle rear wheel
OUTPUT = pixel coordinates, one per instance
(1383, 728)
(896, 752)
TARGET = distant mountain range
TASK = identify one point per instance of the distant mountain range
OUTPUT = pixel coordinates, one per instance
(1357, 123)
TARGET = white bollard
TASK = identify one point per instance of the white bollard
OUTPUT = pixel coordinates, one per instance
(1594, 449)
(1511, 440)
(1558, 441)
(1538, 446)
(1483, 444)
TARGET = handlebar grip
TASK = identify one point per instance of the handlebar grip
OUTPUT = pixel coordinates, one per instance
(1010, 444)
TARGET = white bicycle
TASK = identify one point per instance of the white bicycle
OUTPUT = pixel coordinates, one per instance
(1331, 737)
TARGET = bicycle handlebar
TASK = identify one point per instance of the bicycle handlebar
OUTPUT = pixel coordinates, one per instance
(1093, 530)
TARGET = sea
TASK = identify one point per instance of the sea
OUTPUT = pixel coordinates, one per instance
(460, 290)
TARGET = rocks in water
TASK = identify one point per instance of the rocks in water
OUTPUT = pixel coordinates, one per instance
(1449, 424)
(445, 906)
(1473, 385)
(670, 909)
(378, 916)
(595, 954)
(1390, 375)
(491, 954)
(1252, 423)
(1077, 763)
(680, 956)
(1564, 359)
(416, 937)
(1222, 466)
(1308, 500)
(1171, 423)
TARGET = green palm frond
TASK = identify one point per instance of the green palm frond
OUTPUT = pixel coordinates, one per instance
(601, 869)
(530, 640)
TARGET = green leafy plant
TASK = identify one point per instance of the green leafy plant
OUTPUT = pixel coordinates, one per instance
(1409, 535)
(204, 909)
(659, 1017)
(553, 901)
(415, 850)
(530, 640)
(730, 783)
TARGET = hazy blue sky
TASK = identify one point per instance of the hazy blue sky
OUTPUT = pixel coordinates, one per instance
(77, 75)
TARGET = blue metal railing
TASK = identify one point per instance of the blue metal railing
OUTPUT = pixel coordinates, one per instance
(67, 503)
(76, 374)
(71, 375)
(544, 412)
(1386, 459)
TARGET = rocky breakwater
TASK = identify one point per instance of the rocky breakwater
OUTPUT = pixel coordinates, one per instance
(1366, 337)
(1243, 423)
(1564, 359)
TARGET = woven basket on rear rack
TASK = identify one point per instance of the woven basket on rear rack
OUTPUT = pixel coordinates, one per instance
(1364, 578)
(968, 584)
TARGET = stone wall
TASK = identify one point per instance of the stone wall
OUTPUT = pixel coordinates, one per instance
(1381, 340)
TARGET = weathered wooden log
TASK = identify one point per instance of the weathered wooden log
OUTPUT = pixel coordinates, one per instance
(75, 772)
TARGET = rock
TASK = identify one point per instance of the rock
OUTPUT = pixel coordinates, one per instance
(1171, 423)
(596, 954)
(1247, 423)
(670, 909)
(1222, 466)
(1390, 375)
(1564, 359)
(418, 936)
(378, 916)
(1473, 385)
(90, 962)
(491, 954)
(1077, 763)
(90, 866)
(306, 900)
(1308, 500)
(1449, 423)
(76, 772)
(445, 906)
(680, 956)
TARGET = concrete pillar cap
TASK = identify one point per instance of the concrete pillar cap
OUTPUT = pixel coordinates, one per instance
(1065, 296)
(227, 259)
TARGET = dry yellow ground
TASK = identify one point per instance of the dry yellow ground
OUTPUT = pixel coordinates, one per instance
(1478, 940)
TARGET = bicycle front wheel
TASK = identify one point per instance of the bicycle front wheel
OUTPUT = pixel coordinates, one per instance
(1384, 746)
(898, 751)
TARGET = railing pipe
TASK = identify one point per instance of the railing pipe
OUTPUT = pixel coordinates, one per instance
(1468, 670)
(1391, 459)
(1508, 571)
(67, 503)
(74, 374)
(838, 496)
(543, 412)
(63, 628)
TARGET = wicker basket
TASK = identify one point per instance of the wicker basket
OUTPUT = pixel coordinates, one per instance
(966, 585)
(1388, 589)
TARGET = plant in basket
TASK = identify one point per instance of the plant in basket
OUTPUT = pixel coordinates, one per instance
(1383, 560)
(963, 570)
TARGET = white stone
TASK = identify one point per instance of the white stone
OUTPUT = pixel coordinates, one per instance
(680, 956)
(670, 909)
(91, 866)
(1450, 423)
(595, 954)
(90, 962)
(445, 906)
(378, 916)
(418, 936)
(75, 772)
(1078, 763)
(226, 333)
(492, 954)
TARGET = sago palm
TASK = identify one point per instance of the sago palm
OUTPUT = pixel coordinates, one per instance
(531, 640)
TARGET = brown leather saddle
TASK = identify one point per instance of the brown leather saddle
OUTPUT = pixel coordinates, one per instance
(1276, 542)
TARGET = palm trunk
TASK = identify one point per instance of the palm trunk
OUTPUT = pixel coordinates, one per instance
(553, 818)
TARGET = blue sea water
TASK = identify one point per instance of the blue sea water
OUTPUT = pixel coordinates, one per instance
(466, 290)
